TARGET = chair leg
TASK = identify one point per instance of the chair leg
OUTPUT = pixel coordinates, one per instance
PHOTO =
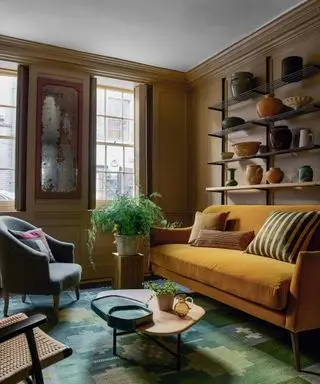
(77, 290)
(56, 300)
(24, 297)
(6, 303)
(296, 350)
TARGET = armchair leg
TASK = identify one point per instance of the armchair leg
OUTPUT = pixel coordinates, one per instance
(24, 297)
(296, 350)
(77, 292)
(56, 300)
(6, 303)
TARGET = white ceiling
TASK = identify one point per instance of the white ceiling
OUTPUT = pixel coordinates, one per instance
(176, 34)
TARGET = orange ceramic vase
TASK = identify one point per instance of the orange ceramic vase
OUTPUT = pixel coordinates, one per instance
(274, 175)
(269, 106)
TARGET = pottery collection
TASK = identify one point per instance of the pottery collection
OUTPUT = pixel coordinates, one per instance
(232, 182)
(254, 174)
(241, 82)
(280, 137)
(305, 173)
(274, 175)
(269, 106)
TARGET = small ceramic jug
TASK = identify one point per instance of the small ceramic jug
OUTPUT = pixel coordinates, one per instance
(254, 174)
(305, 138)
(305, 173)
(183, 305)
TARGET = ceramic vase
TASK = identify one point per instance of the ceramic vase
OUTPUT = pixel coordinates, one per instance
(269, 106)
(305, 173)
(165, 302)
(241, 82)
(289, 66)
(254, 174)
(274, 175)
(280, 137)
(232, 182)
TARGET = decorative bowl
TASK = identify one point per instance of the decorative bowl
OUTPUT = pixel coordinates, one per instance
(232, 121)
(246, 148)
(297, 102)
(227, 155)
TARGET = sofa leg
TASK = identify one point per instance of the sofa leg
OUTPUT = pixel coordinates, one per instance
(6, 302)
(295, 349)
(56, 300)
(77, 292)
(24, 297)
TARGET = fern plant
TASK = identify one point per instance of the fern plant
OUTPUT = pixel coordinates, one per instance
(125, 215)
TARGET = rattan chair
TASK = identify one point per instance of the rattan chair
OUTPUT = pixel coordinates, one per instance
(25, 349)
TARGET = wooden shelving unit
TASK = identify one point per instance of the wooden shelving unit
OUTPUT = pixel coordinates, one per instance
(264, 187)
(267, 154)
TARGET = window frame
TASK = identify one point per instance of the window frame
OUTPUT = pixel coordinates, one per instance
(9, 205)
(122, 144)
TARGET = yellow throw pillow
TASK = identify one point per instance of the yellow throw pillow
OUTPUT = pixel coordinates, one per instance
(202, 220)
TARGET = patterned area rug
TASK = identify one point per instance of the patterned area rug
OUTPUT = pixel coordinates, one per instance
(227, 346)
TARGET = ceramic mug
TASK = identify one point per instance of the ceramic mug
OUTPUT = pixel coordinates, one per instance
(305, 138)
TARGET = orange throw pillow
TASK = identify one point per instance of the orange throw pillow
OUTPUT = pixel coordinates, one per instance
(216, 221)
(160, 235)
(224, 239)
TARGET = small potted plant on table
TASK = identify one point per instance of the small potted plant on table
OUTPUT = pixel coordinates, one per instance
(165, 291)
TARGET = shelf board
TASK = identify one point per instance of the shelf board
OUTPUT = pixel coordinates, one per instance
(311, 108)
(266, 155)
(264, 187)
(305, 73)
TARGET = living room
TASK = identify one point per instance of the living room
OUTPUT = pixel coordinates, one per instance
(171, 83)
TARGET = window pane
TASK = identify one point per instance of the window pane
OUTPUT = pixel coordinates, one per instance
(101, 101)
(100, 129)
(129, 160)
(101, 157)
(7, 121)
(114, 158)
(8, 90)
(7, 153)
(114, 182)
(128, 132)
(114, 103)
(101, 186)
(128, 179)
(7, 185)
(114, 130)
(128, 105)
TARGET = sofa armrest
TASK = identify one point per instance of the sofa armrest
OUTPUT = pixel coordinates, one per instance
(303, 311)
(160, 235)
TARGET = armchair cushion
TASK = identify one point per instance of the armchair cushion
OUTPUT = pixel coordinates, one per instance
(64, 276)
(36, 239)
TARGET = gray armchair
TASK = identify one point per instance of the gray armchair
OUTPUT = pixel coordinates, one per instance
(27, 271)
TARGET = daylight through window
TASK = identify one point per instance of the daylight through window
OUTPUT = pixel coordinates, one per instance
(115, 142)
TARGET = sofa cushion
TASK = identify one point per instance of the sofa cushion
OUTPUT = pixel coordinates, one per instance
(224, 239)
(202, 220)
(284, 235)
(259, 279)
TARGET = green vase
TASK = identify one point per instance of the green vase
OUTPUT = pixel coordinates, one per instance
(305, 173)
(232, 182)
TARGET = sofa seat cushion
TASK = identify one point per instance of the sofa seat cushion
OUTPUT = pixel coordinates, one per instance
(258, 279)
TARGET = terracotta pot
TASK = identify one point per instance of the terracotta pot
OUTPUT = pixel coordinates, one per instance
(269, 106)
(280, 137)
(254, 174)
(274, 175)
(165, 302)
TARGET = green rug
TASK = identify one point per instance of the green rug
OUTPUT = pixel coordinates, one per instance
(227, 346)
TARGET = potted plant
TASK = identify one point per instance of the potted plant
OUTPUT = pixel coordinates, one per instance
(130, 218)
(165, 291)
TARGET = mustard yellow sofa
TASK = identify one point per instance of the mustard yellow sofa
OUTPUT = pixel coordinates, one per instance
(281, 293)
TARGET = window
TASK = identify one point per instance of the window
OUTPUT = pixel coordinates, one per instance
(115, 142)
(8, 93)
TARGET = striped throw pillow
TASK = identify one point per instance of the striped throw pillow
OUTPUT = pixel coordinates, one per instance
(284, 235)
(224, 239)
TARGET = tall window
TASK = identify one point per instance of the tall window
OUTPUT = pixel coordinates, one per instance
(8, 92)
(115, 142)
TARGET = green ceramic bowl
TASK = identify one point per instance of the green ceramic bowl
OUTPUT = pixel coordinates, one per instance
(229, 122)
